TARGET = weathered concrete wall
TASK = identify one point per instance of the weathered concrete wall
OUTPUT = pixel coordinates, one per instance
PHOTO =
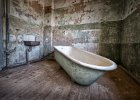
(93, 25)
(110, 40)
(129, 7)
(130, 38)
(47, 31)
(86, 11)
(88, 24)
(26, 18)
(106, 27)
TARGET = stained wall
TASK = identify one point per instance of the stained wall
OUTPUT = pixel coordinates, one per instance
(26, 23)
(47, 30)
(106, 27)
(130, 38)
(92, 25)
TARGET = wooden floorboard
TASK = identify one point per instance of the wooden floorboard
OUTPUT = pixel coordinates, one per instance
(46, 80)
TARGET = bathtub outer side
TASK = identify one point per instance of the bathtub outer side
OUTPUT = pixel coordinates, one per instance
(80, 74)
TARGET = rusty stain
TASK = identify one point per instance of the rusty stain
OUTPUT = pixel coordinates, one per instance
(48, 9)
(56, 17)
(36, 6)
(25, 1)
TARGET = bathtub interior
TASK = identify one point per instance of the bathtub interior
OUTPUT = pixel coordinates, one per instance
(84, 57)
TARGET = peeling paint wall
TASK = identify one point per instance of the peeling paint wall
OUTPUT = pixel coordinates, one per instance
(106, 27)
(130, 38)
(92, 25)
(47, 37)
(26, 18)
(86, 11)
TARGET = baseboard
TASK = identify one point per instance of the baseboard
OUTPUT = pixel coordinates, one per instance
(131, 75)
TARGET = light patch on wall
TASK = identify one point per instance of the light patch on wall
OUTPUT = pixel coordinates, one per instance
(35, 54)
(17, 57)
(20, 38)
(12, 38)
(29, 38)
(91, 47)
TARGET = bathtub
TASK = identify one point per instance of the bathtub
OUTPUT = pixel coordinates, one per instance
(83, 67)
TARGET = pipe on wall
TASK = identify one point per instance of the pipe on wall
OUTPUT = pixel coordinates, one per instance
(6, 7)
(7, 34)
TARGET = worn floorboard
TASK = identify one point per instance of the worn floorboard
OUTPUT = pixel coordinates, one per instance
(45, 80)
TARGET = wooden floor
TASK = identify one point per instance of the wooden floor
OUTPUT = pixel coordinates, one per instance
(45, 80)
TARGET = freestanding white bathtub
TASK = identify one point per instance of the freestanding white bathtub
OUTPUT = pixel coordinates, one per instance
(83, 67)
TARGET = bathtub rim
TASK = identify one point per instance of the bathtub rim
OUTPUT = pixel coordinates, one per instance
(102, 68)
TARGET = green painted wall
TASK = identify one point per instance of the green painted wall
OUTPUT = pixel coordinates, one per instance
(130, 38)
